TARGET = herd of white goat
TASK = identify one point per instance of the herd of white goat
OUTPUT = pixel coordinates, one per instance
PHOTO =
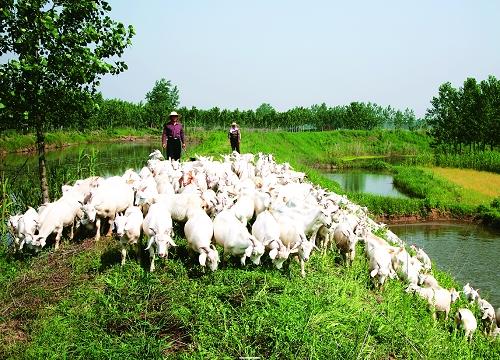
(216, 201)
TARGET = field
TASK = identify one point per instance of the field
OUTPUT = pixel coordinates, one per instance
(485, 186)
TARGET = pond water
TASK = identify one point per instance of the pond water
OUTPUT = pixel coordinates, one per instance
(68, 164)
(469, 252)
(366, 182)
(111, 158)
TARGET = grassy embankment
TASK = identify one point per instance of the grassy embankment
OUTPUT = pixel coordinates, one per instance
(312, 152)
(80, 303)
(12, 141)
(435, 196)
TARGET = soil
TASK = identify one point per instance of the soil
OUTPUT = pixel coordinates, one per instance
(434, 215)
(46, 282)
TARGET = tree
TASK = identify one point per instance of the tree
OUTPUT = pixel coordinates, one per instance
(264, 114)
(160, 101)
(471, 113)
(57, 50)
(490, 89)
(444, 116)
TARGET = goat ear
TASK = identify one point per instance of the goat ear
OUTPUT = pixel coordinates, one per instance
(202, 258)
(373, 272)
(273, 253)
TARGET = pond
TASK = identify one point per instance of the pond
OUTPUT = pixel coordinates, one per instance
(366, 182)
(68, 164)
(468, 252)
(111, 158)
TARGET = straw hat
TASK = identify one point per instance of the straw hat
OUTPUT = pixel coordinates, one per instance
(173, 113)
(233, 124)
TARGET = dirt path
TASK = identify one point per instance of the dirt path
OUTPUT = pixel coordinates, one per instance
(50, 279)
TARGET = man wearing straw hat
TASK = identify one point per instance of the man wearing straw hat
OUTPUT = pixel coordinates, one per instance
(172, 138)
(234, 136)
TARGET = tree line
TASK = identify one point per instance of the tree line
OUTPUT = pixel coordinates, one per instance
(96, 112)
(467, 117)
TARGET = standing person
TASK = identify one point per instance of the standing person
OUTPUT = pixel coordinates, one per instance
(173, 137)
(234, 136)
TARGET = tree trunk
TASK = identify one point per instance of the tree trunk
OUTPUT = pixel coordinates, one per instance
(42, 170)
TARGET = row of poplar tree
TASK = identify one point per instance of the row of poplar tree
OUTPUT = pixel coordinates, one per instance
(467, 117)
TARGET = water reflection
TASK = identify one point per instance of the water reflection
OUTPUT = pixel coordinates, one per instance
(112, 158)
(63, 166)
(367, 182)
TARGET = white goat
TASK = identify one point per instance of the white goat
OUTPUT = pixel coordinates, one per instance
(230, 233)
(465, 319)
(380, 264)
(56, 216)
(267, 230)
(346, 241)
(488, 315)
(128, 228)
(156, 155)
(439, 299)
(157, 226)
(183, 202)
(244, 207)
(422, 257)
(292, 236)
(427, 280)
(26, 227)
(470, 293)
(199, 231)
(110, 198)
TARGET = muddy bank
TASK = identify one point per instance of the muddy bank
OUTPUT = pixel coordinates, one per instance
(433, 216)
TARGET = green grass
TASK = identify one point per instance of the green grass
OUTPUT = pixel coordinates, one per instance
(180, 312)
(482, 161)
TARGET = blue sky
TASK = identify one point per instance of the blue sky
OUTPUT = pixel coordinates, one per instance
(239, 54)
